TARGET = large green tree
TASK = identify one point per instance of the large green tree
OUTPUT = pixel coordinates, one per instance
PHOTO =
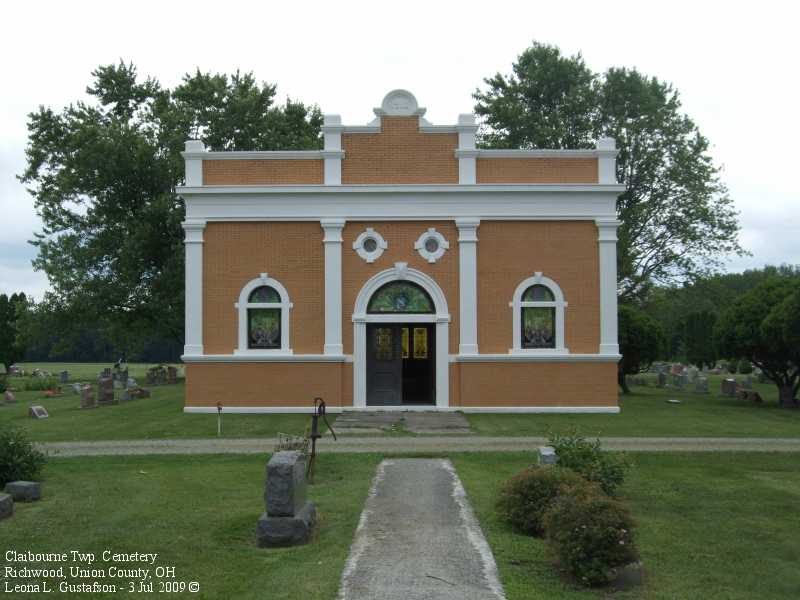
(641, 340)
(677, 218)
(103, 174)
(698, 331)
(763, 326)
(11, 349)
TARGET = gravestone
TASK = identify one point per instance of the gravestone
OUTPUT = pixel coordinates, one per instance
(76, 387)
(24, 491)
(131, 383)
(9, 397)
(662, 379)
(105, 391)
(117, 384)
(692, 372)
(87, 397)
(172, 375)
(6, 506)
(701, 385)
(729, 387)
(38, 412)
(289, 517)
(547, 455)
(63, 377)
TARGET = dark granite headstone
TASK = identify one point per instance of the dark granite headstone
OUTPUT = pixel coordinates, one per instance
(24, 491)
(289, 517)
(6, 506)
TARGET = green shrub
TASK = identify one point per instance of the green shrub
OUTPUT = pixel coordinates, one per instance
(527, 495)
(41, 383)
(591, 535)
(19, 458)
(745, 368)
(733, 365)
(586, 458)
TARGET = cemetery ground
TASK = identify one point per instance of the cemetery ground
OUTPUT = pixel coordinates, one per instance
(711, 525)
(644, 413)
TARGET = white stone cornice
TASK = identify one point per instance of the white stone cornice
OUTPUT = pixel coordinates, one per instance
(264, 155)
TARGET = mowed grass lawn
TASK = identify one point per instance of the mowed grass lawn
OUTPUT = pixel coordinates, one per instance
(199, 514)
(712, 526)
(645, 412)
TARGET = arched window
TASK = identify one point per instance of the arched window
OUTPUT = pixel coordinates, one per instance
(400, 297)
(538, 307)
(263, 317)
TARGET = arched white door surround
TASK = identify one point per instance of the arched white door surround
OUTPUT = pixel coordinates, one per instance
(440, 316)
(558, 303)
(243, 304)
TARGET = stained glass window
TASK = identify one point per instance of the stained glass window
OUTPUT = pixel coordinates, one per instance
(538, 326)
(263, 327)
(400, 297)
(538, 293)
(420, 342)
(383, 343)
(264, 294)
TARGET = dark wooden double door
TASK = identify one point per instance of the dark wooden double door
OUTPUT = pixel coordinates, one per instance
(400, 364)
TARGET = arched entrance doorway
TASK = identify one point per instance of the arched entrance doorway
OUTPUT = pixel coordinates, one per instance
(400, 341)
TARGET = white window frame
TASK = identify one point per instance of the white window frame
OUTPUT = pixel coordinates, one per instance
(368, 256)
(242, 305)
(431, 233)
(517, 305)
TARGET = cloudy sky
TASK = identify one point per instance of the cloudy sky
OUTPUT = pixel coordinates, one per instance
(735, 65)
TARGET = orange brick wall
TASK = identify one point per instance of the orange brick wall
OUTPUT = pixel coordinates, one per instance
(237, 252)
(262, 172)
(400, 236)
(536, 384)
(536, 170)
(399, 154)
(511, 251)
(266, 384)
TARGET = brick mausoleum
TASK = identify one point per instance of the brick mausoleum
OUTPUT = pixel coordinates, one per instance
(401, 267)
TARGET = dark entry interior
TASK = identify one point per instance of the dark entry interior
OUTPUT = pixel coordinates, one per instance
(400, 364)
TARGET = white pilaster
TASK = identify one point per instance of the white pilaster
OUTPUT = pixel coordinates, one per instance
(607, 246)
(333, 284)
(466, 153)
(193, 243)
(468, 285)
(194, 162)
(607, 160)
(332, 135)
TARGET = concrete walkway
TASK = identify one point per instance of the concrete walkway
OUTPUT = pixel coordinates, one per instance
(418, 539)
(413, 445)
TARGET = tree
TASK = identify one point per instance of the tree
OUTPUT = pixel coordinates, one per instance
(640, 341)
(10, 348)
(677, 218)
(698, 336)
(763, 326)
(103, 177)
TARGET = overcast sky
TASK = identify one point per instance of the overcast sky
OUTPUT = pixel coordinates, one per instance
(736, 66)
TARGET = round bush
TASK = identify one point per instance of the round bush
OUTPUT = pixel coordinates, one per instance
(591, 535)
(19, 458)
(526, 496)
(745, 368)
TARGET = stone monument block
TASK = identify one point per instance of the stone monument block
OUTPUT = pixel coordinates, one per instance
(24, 491)
(6, 506)
(63, 377)
(547, 455)
(286, 484)
(38, 412)
(289, 517)
(87, 397)
(106, 391)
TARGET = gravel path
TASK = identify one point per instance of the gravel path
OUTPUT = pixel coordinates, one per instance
(413, 444)
(418, 539)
